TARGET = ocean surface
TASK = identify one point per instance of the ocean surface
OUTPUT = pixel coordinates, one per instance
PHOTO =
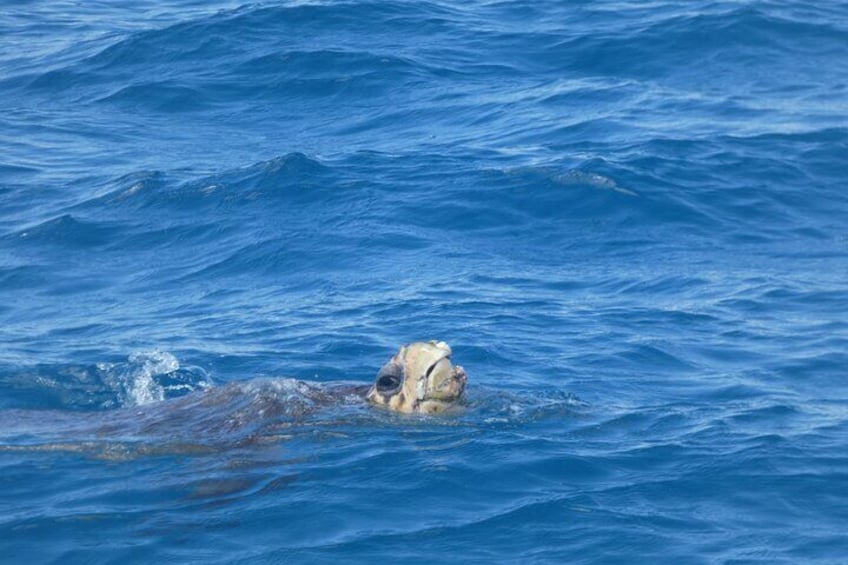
(628, 218)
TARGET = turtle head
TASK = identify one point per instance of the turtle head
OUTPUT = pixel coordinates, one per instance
(419, 378)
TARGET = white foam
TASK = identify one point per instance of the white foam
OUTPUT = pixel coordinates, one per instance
(136, 381)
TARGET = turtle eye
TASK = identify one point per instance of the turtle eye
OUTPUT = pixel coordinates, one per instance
(388, 383)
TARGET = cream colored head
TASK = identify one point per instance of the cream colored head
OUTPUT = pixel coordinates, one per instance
(419, 378)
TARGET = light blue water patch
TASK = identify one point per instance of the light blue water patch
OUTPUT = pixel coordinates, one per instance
(218, 221)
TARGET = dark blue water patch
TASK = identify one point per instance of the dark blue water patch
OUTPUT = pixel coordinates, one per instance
(12, 171)
(264, 258)
(812, 152)
(24, 277)
(56, 81)
(669, 45)
(771, 195)
(341, 74)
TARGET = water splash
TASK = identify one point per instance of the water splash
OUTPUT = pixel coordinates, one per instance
(144, 378)
(135, 382)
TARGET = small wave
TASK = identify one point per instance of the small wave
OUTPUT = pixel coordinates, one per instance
(68, 231)
(581, 194)
(289, 176)
(160, 96)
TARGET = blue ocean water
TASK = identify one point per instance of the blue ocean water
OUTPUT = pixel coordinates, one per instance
(629, 220)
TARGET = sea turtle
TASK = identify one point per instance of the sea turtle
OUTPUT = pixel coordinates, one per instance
(419, 378)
